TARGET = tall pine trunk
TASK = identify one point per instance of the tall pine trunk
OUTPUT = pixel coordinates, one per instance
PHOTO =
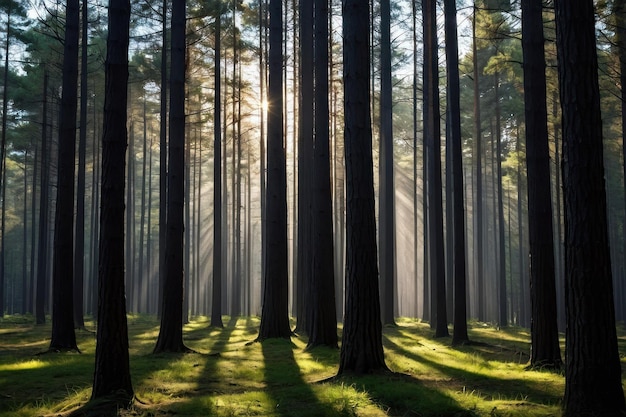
(432, 135)
(305, 156)
(545, 349)
(361, 347)
(275, 310)
(386, 247)
(216, 295)
(593, 383)
(79, 234)
(63, 336)
(112, 370)
(456, 155)
(171, 333)
(323, 326)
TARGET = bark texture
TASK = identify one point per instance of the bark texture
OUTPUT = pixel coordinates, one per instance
(112, 369)
(593, 372)
(361, 347)
(545, 350)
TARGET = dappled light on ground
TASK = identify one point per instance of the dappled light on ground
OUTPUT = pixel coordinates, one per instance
(230, 375)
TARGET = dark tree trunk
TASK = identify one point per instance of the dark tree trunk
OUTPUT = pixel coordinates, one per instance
(142, 278)
(619, 10)
(216, 295)
(478, 202)
(33, 231)
(432, 135)
(63, 336)
(545, 350)
(593, 384)
(502, 298)
(456, 154)
(323, 326)
(171, 333)
(263, 136)
(163, 159)
(25, 289)
(112, 371)
(386, 197)
(275, 311)
(3, 145)
(361, 347)
(95, 210)
(42, 256)
(130, 219)
(415, 123)
(305, 155)
(79, 234)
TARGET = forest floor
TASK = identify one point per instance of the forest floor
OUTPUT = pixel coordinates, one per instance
(229, 376)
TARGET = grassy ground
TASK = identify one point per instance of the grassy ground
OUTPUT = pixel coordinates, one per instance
(232, 377)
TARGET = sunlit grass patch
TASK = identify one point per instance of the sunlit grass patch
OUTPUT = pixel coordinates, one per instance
(233, 376)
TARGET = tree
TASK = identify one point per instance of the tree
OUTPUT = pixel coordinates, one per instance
(216, 300)
(478, 154)
(593, 372)
(14, 9)
(361, 347)
(432, 139)
(545, 350)
(386, 181)
(305, 151)
(79, 227)
(63, 336)
(323, 326)
(171, 333)
(112, 370)
(163, 156)
(456, 154)
(42, 244)
(275, 310)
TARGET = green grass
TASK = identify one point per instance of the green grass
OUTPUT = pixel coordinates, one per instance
(229, 376)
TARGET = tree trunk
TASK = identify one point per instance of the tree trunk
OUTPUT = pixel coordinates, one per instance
(478, 203)
(3, 145)
(323, 326)
(593, 383)
(456, 154)
(163, 158)
(130, 219)
(432, 135)
(33, 232)
(502, 297)
(545, 350)
(619, 10)
(305, 155)
(171, 333)
(79, 234)
(361, 347)
(112, 371)
(216, 295)
(386, 197)
(275, 310)
(63, 336)
(142, 277)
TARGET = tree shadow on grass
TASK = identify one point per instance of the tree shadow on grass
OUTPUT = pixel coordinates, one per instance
(399, 394)
(290, 393)
(201, 372)
(490, 387)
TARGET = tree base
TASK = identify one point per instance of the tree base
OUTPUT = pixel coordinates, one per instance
(104, 406)
(60, 349)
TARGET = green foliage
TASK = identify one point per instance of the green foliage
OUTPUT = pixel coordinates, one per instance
(233, 377)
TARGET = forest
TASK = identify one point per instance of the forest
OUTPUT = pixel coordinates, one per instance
(314, 207)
